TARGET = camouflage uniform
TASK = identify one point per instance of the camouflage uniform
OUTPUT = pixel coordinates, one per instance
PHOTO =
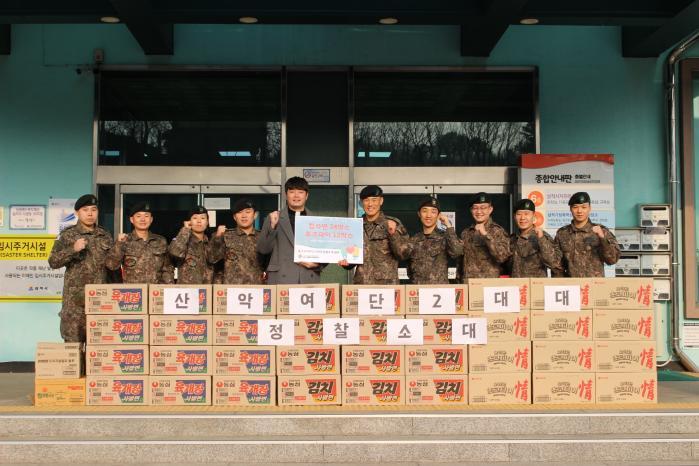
(531, 255)
(242, 264)
(142, 261)
(382, 252)
(484, 256)
(192, 257)
(82, 268)
(584, 253)
(430, 256)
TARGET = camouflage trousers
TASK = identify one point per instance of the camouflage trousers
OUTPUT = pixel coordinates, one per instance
(73, 325)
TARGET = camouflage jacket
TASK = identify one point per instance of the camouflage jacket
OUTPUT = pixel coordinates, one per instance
(242, 264)
(484, 256)
(585, 253)
(429, 257)
(84, 267)
(142, 261)
(192, 257)
(382, 252)
(531, 255)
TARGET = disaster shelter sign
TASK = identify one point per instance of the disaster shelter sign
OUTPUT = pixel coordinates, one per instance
(25, 274)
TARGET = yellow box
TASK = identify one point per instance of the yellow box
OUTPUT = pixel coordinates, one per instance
(332, 297)
(116, 299)
(308, 390)
(624, 356)
(180, 330)
(506, 326)
(244, 360)
(538, 284)
(629, 387)
(350, 298)
(57, 361)
(502, 356)
(412, 297)
(308, 330)
(119, 390)
(301, 360)
(499, 388)
(561, 326)
(438, 359)
(156, 298)
(180, 360)
(563, 356)
(373, 390)
(244, 390)
(235, 330)
(373, 330)
(269, 298)
(117, 329)
(117, 360)
(436, 389)
(624, 324)
(59, 392)
(563, 387)
(622, 293)
(378, 360)
(476, 285)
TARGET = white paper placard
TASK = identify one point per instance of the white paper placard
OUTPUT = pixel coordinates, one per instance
(469, 331)
(307, 301)
(404, 331)
(212, 218)
(341, 331)
(437, 301)
(501, 299)
(275, 332)
(561, 298)
(181, 301)
(217, 203)
(244, 301)
(376, 301)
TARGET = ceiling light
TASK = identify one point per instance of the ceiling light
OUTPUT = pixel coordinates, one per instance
(110, 19)
(388, 21)
(247, 19)
(529, 21)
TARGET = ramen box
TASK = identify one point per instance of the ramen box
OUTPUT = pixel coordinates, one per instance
(117, 360)
(622, 293)
(499, 388)
(244, 390)
(180, 330)
(156, 300)
(438, 359)
(244, 360)
(299, 360)
(436, 390)
(180, 390)
(246, 296)
(623, 324)
(521, 297)
(506, 326)
(504, 356)
(625, 356)
(563, 356)
(563, 387)
(432, 301)
(378, 360)
(308, 390)
(117, 329)
(120, 390)
(561, 326)
(332, 298)
(180, 360)
(235, 330)
(540, 285)
(629, 387)
(350, 299)
(373, 390)
(116, 299)
(373, 330)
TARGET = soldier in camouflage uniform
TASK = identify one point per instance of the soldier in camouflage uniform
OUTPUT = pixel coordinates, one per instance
(81, 249)
(141, 255)
(191, 250)
(586, 246)
(432, 247)
(386, 242)
(242, 263)
(486, 244)
(533, 250)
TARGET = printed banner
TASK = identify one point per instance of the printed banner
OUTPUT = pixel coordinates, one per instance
(25, 274)
(328, 240)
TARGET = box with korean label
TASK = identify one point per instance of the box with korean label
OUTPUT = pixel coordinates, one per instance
(244, 360)
(624, 356)
(563, 356)
(563, 388)
(59, 392)
(438, 359)
(308, 330)
(373, 390)
(549, 293)
(436, 330)
(120, 390)
(57, 361)
(502, 356)
(629, 387)
(367, 360)
(299, 360)
(436, 299)
(373, 300)
(180, 360)
(499, 294)
(180, 390)
(116, 299)
(622, 293)
(561, 326)
(117, 329)
(506, 326)
(180, 330)
(436, 389)
(235, 330)
(247, 299)
(624, 324)
(373, 330)
(183, 299)
(117, 360)
(244, 390)
(499, 388)
(319, 298)
(309, 390)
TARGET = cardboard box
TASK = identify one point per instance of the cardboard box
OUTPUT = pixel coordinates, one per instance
(308, 330)
(332, 297)
(373, 390)
(499, 388)
(244, 360)
(235, 330)
(116, 299)
(623, 324)
(506, 326)
(157, 297)
(269, 298)
(180, 390)
(350, 298)
(59, 392)
(631, 387)
(57, 361)
(561, 326)
(412, 297)
(367, 360)
(563, 356)
(373, 330)
(656, 264)
(538, 290)
(117, 330)
(476, 285)
(180, 360)
(180, 330)
(563, 388)
(622, 293)
(629, 239)
(625, 356)
(436, 389)
(436, 328)
(308, 390)
(120, 390)
(244, 390)
(502, 356)
(300, 360)
(117, 360)
(628, 266)
(655, 239)
(425, 360)
(654, 215)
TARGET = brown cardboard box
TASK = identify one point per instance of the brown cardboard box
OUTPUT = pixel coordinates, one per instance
(622, 293)
(117, 330)
(476, 285)
(412, 297)
(624, 324)
(125, 390)
(425, 360)
(436, 389)
(116, 299)
(563, 387)
(378, 360)
(503, 356)
(244, 360)
(499, 388)
(157, 297)
(308, 330)
(244, 390)
(436, 328)
(373, 330)
(625, 356)
(332, 297)
(629, 387)
(299, 360)
(269, 298)
(180, 330)
(308, 390)
(57, 361)
(563, 356)
(180, 390)
(350, 298)
(506, 326)
(561, 326)
(235, 330)
(117, 360)
(373, 390)
(181, 360)
(59, 392)
(538, 284)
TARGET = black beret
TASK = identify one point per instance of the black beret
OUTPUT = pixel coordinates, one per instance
(200, 209)
(480, 198)
(85, 200)
(242, 204)
(140, 207)
(524, 204)
(429, 201)
(579, 198)
(371, 191)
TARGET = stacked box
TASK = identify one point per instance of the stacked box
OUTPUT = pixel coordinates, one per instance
(269, 299)
(332, 298)
(235, 330)
(244, 390)
(180, 390)
(309, 390)
(57, 378)
(373, 390)
(181, 360)
(244, 361)
(436, 329)
(476, 287)
(308, 360)
(156, 298)
(373, 329)
(506, 326)
(118, 360)
(350, 299)
(116, 299)
(59, 392)
(124, 390)
(377, 360)
(412, 298)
